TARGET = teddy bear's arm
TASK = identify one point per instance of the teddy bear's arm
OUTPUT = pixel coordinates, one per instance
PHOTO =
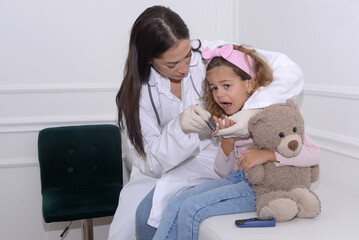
(255, 175)
(315, 173)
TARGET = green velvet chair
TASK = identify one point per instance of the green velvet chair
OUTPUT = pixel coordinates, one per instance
(81, 173)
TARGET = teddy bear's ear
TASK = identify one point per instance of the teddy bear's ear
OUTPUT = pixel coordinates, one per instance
(290, 102)
(253, 121)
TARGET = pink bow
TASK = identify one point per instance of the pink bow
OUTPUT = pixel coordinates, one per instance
(231, 55)
(224, 52)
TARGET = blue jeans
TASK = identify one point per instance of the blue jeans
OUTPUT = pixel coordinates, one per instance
(185, 212)
(143, 230)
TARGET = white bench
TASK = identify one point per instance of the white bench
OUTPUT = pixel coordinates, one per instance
(338, 190)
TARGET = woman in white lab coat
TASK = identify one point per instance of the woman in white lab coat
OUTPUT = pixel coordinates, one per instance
(159, 105)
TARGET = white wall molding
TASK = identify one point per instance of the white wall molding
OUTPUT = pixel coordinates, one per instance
(58, 88)
(32, 162)
(36, 124)
(332, 91)
(19, 163)
(336, 143)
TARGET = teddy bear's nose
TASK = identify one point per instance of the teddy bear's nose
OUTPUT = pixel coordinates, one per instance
(293, 145)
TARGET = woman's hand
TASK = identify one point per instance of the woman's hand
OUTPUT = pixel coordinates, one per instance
(239, 128)
(253, 157)
(193, 119)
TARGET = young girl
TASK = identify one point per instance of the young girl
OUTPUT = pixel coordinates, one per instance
(233, 75)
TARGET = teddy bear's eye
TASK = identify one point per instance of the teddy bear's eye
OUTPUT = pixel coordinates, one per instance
(294, 129)
(281, 135)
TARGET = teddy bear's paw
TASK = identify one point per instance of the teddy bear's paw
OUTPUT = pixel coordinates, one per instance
(282, 209)
(308, 203)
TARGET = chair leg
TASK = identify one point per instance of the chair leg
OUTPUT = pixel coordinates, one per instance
(87, 229)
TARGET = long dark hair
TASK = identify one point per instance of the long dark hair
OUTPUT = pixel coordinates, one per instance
(155, 31)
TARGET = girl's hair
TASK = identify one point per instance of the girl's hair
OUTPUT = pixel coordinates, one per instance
(262, 76)
(155, 31)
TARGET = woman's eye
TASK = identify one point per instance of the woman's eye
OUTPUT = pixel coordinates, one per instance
(227, 86)
(213, 89)
(281, 135)
(294, 129)
(171, 66)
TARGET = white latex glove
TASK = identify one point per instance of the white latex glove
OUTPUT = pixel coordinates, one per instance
(192, 119)
(240, 126)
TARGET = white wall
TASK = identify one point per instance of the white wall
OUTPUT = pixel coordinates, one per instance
(61, 63)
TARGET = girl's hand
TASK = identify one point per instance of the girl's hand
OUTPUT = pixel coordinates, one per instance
(227, 144)
(253, 157)
(219, 123)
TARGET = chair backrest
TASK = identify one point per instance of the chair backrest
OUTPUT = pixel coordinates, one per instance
(80, 157)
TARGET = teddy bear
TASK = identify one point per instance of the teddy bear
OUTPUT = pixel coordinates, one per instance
(282, 192)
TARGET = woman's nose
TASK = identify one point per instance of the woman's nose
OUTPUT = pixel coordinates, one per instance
(183, 68)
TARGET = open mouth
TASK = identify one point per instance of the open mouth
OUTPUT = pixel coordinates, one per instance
(226, 105)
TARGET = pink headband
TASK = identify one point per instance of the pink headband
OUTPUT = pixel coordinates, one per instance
(233, 56)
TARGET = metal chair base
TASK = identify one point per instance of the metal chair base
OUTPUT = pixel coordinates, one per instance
(87, 229)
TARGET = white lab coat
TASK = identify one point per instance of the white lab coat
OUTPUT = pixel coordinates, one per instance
(176, 161)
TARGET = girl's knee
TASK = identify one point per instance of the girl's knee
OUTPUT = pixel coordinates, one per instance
(188, 208)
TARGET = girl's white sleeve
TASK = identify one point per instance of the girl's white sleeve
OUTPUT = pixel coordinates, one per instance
(167, 149)
(287, 82)
(223, 165)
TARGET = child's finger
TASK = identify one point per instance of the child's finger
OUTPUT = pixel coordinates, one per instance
(240, 161)
(220, 123)
(231, 122)
(226, 121)
(215, 119)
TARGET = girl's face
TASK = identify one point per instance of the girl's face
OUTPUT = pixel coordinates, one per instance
(229, 91)
(174, 63)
